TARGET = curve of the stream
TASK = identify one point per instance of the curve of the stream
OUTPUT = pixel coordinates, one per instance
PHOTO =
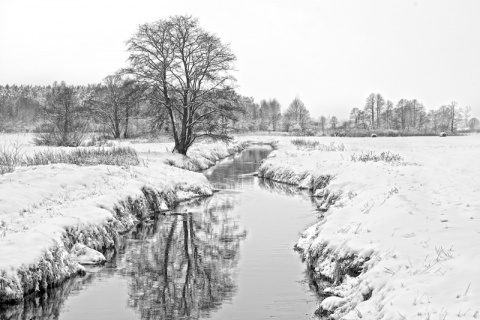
(229, 256)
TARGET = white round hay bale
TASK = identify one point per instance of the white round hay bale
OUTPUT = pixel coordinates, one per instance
(374, 135)
(443, 134)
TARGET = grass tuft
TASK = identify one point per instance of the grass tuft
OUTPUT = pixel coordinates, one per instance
(12, 157)
(305, 144)
(116, 156)
(371, 156)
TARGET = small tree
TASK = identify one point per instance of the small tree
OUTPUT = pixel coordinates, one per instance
(380, 103)
(333, 123)
(466, 114)
(455, 115)
(275, 113)
(389, 113)
(115, 101)
(297, 113)
(370, 104)
(322, 121)
(66, 117)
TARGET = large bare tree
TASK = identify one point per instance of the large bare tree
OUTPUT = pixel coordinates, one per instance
(187, 71)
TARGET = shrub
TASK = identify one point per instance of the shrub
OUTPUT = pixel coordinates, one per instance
(52, 135)
(10, 158)
(371, 156)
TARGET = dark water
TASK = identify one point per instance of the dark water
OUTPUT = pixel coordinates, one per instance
(228, 256)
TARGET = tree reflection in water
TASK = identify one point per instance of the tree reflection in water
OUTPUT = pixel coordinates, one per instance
(47, 304)
(228, 173)
(177, 267)
(187, 269)
(284, 189)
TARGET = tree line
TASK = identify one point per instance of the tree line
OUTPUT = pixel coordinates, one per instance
(410, 116)
(121, 107)
(179, 81)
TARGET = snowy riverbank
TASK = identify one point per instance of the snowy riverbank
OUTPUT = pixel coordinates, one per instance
(398, 240)
(46, 210)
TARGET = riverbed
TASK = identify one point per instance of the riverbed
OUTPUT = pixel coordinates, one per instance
(229, 256)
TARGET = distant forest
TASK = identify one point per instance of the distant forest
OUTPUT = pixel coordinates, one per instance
(120, 108)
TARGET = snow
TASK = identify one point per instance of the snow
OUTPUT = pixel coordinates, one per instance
(411, 228)
(398, 240)
(85, 255)
(49, 214)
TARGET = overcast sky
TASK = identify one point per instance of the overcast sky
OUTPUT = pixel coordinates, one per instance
(331, 54)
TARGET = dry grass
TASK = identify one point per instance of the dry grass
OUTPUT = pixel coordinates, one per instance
(12, 157)
(371, 156)
(305, 144)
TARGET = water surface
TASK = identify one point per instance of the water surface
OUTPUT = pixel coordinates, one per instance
(229, 256)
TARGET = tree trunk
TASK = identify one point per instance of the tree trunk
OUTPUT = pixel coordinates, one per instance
(373, 114)
(65, 125)
(125, 133)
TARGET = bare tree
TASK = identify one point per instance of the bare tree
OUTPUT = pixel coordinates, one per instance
(333, 122)
(466, 114)
(66, 116)
(322, 122)
(355, 117)
(275, 113)
(264, 113)
(414, 105)
(370, 109)
(389, 113)
(401, 113)
(186, 69)
(115, 101)
(380, 102)
(454, 115)
(297, 114)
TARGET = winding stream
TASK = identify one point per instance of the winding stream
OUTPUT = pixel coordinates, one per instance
(228, 256)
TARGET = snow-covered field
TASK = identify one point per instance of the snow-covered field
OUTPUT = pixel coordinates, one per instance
(398, 240)
(48, 212)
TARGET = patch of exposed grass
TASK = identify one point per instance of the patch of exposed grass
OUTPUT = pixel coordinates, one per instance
(371, 156)
(12, 157)
(305, 144)
(116, 156)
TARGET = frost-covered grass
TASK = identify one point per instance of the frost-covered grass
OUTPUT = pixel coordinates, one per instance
(308, 144)
(395, 241)
(116, 156)
(371, 156)
(12, 157)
